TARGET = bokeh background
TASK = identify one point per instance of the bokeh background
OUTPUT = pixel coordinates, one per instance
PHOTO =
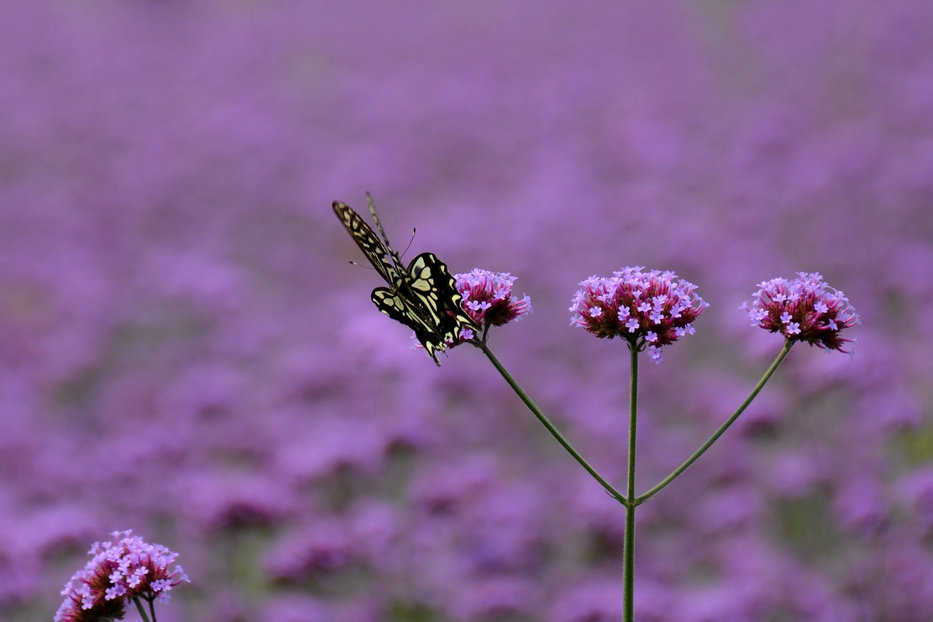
(186, 351)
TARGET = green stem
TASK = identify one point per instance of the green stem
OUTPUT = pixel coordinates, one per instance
(142, 612)
(725, 426)
(629, 551)
(550, 426)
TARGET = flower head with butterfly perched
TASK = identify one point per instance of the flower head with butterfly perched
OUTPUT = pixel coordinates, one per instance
(423, 296)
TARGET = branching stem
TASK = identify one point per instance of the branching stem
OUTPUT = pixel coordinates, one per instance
(725, 426)
(548, 425)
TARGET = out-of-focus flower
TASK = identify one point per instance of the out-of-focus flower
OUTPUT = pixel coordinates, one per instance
(487, 298)
(217, 501)
(860, 506)
(646, 308)
(916, 490)
(327, 548)
(804, 309)
(496, 597)
(589, 599)
(125, 568)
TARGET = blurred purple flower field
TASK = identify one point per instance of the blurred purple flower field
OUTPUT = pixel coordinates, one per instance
(186, 352)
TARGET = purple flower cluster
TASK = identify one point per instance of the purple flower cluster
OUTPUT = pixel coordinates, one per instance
(646, 308)
(488, 299)
(805, 309)
(119, 571)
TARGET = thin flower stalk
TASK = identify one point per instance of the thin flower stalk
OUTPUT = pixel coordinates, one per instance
(628, 592)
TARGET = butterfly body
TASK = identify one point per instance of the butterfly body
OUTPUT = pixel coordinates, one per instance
(422, 295)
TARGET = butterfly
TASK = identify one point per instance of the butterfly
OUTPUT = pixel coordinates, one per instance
(422, 296)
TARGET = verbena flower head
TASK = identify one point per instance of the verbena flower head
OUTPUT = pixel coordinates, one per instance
(647, 308)
(804, 309)
(125, 568)
(487, 298)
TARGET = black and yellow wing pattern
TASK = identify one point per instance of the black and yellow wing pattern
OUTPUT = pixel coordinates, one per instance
(422, 296)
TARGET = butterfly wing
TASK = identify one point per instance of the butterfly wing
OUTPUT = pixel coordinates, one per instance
(393, 305)
(427, 301)
(382, 232)
(435, 289)
(368, 241)
(423, 296)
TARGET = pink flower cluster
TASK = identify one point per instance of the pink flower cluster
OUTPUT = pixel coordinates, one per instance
(804, 309)
(125, 568)
(646, 308)
(487, 298)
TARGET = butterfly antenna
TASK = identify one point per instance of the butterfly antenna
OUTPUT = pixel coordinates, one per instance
(359, 265)
(411, 241)
(372, 211)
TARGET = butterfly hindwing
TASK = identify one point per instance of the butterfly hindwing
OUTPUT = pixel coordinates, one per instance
(423, 296)
(437, 289)
(396, 308)
(427, 278)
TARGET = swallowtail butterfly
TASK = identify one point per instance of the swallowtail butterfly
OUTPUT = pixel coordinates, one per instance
(422, 296)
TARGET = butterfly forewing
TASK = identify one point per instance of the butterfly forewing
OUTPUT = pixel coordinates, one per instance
(368, 241)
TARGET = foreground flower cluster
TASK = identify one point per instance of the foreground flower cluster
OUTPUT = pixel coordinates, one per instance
(646, 308)
(123, 569)
(803, 309)
(488, 299)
